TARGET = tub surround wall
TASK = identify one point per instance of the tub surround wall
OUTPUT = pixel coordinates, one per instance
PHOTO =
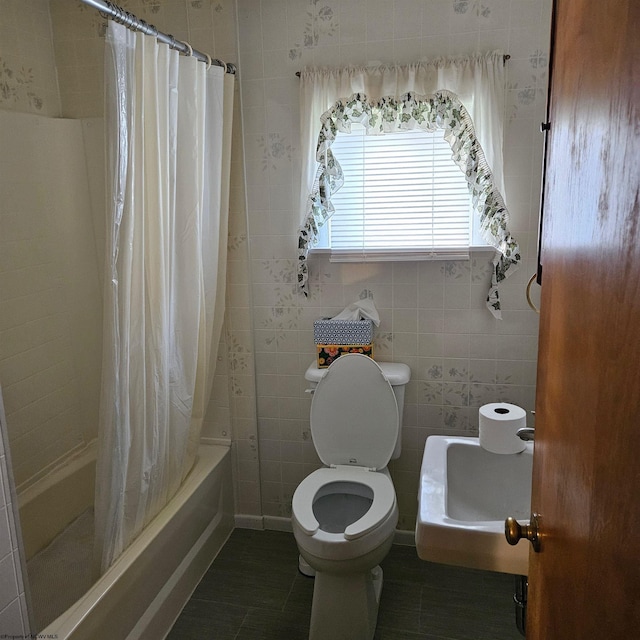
(433, 316)
(50, 325)
(28, 84)
(50, 331)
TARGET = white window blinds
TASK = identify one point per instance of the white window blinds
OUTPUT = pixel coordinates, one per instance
(403, 198)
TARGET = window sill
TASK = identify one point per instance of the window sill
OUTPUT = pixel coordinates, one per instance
(409, 255)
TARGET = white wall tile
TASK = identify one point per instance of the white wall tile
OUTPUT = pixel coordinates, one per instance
(11, 618)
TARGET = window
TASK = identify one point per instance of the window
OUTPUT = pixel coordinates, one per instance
(402, 197)
(388, 115)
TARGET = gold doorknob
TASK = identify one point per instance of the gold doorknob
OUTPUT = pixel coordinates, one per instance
(514, 531)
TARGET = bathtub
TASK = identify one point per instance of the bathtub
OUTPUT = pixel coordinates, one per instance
(142, 594)
(53, 502)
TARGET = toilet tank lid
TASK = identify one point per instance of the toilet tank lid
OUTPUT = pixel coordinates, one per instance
(396, 373)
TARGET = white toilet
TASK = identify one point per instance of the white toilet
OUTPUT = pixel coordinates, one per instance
(344, 515)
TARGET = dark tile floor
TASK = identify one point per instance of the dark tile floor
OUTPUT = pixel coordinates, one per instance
(253, 590)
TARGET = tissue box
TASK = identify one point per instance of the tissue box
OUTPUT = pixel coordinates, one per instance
(344, 332)
(327, 353)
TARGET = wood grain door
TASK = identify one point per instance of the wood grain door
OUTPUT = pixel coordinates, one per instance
(585, 581)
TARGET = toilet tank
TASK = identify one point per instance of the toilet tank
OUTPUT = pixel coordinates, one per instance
(396, 373)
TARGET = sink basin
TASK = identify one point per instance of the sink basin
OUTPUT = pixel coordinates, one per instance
(465, 495)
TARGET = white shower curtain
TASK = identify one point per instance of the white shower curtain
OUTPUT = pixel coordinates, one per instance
(168, 141)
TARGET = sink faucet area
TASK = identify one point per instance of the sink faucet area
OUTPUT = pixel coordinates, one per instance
(465, 495)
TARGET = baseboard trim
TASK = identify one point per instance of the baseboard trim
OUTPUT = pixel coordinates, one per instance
(277, 523)
(406, 538)
(244, 521)
(280, 523)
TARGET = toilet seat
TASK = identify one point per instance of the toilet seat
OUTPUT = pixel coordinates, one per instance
(383, 502)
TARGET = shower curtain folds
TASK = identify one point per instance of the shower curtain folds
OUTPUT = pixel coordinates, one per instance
(168, 121)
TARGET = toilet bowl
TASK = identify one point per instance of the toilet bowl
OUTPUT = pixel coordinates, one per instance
(341, 514)
(344, 515)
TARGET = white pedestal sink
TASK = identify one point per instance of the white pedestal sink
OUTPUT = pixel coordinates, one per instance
(465, 495)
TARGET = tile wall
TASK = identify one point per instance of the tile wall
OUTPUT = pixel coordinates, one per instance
(50, 326)
(14, 610)
(28, 79)
(433, 315)
(28, 84)
(208, 25)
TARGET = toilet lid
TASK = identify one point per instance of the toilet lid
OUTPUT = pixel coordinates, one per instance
(354, 414)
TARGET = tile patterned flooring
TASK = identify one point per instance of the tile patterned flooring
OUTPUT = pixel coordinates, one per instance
(253, 590)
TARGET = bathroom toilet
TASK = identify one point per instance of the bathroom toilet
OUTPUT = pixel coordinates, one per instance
(344, 515)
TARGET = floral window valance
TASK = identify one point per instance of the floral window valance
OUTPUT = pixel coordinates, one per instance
(441, 110)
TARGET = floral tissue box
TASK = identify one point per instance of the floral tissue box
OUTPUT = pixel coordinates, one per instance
(342, 332)
(327, 353)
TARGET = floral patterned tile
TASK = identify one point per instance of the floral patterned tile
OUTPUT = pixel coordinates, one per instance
(319, 26)
(17, 88)
(522, 95)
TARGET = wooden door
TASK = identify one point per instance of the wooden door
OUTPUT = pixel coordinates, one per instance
(585, 581)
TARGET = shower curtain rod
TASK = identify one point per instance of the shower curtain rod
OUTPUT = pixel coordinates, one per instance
(119, 15)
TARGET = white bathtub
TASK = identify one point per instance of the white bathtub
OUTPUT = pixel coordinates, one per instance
(142, 594)
(56, 500)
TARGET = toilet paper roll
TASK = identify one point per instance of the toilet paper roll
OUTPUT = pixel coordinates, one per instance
(498, 424)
